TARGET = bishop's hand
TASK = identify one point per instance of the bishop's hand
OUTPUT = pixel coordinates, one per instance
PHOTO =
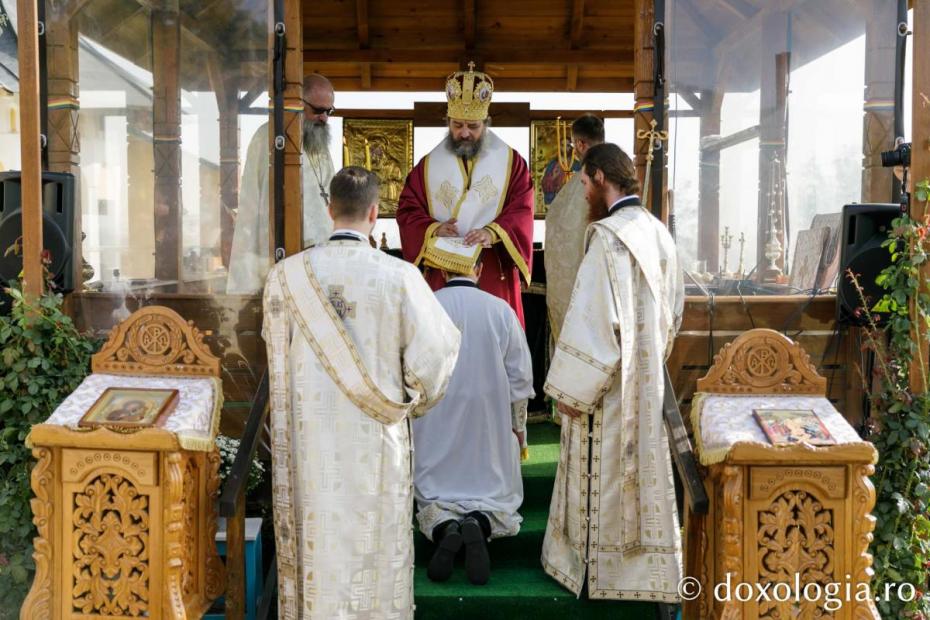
(447, 229)
(567, 410)
(479, 236)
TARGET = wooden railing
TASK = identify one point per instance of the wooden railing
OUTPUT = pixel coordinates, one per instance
(232, 506)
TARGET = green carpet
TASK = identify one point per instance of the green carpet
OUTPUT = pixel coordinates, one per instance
(519, 588)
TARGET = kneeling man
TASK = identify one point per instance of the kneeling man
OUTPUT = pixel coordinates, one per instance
(467, 451)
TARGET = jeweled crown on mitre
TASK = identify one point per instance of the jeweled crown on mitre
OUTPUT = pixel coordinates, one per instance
(469, 94)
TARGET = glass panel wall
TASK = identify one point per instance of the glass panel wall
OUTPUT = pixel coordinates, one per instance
(169, 103)
(778, 113)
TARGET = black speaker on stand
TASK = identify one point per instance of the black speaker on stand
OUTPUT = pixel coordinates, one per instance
(865, 228)
(58, 205)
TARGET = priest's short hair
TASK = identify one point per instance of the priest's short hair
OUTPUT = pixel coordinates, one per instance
(352, 191)
(616, 165)
(589, 127)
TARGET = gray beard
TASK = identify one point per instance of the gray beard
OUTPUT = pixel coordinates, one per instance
(464, 149)
(316, 138)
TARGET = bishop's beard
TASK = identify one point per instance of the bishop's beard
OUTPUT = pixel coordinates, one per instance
(466, 149)
(316, 138)
(597, 203)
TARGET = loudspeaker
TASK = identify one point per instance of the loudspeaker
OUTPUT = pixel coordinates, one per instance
(57, 226)
(865, 228)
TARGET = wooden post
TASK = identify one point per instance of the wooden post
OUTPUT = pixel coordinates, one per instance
(30, 148)
(225, 83)
(293, 123)
(61, 42)
(878, 119)
(709, 183)
(773, 95)
(166, 125)
(920, 162)
(235, 562)
(643, 86)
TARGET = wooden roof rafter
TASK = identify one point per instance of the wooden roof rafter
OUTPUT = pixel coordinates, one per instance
(576, 28)
(531, 45)
(471, 24)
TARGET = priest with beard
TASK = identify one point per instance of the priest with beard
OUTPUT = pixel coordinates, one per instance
(250, 257)
(613, 520)
(472, 189)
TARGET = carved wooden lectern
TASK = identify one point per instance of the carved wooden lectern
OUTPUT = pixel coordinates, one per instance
(126, 520)
(786, 520)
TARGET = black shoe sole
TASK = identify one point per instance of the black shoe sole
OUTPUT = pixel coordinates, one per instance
(440, 565)
(477, 560)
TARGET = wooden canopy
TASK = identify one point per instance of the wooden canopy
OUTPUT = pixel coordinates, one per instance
(525, 45)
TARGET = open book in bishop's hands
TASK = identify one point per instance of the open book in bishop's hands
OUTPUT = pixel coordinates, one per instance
(451, 254)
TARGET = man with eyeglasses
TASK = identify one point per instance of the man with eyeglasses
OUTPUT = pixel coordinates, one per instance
(250, 256)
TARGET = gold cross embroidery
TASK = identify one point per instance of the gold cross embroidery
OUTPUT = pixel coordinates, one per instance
(485, 188)
(343, 307)
(446, 195)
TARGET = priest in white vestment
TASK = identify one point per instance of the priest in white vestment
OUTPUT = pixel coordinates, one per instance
(566, 222)
(613, 521)
(357, 344)
(250, 258)
(467, 478)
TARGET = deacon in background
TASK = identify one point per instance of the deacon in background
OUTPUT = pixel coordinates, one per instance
(250, 258)
(357, 344)
(471, 186)
(613, 521)
(467, 479)
(566, 221)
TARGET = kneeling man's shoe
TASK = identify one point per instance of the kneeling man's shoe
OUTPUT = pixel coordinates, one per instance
(448, 539)
(477, 560)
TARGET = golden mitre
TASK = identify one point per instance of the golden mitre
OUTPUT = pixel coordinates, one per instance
(469, 94)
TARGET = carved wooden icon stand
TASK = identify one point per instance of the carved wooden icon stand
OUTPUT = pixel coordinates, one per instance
(777, 511)
(126, 521)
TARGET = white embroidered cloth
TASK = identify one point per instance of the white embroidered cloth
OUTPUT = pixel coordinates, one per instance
(194, 420)
(722, 420)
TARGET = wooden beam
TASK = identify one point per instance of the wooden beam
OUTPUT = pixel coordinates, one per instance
(691, 99)
(878, 122)
(471, 24)
(739, 7)
(72, 8)
(433, 113)
(120, 23)
(30, 148)
(920, 165)
(571, 81)
(752, 28)
(166, 125)
(361, 22)
(709, 180)
(63, 148)
(225, 83)
(710, 32)
(207, 7)
(719, 143)
(577, 23)
(520, 84)
(453, 55)
(366, 76)
(252, 94)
